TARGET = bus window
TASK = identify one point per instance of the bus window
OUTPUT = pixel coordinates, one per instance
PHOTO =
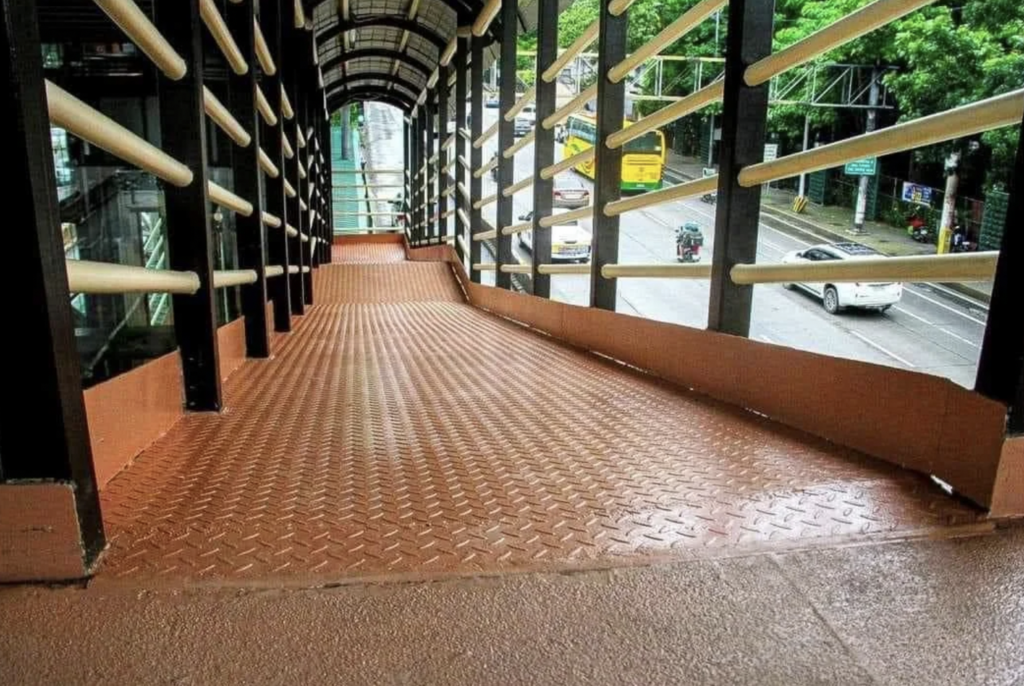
(649, 143)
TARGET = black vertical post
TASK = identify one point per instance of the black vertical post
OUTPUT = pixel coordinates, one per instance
(326, 170)
(744, 118)
(414, 175)
(189, 237)
(544, 141)
(604, 246)
(273, 19)
(442, 154)
(476, 108)
(1001, 368)
(250, 230)
(461, 230)
(305, 77)
(43, 430)
(430, 175)
(292, 70)
(407, 157)
(506, 137)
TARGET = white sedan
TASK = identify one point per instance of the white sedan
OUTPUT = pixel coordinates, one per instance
(569, 240)
(835, 296)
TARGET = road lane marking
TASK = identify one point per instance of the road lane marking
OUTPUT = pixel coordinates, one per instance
(888, 352)
(943, 306)
(656, 220)
(959, 338)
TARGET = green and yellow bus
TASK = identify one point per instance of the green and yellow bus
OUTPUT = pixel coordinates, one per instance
(643, 159)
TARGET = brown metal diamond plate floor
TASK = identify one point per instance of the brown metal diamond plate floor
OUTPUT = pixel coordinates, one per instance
(402, 430)
(369, 253)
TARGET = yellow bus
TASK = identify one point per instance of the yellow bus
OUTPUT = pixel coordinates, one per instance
(643, 159)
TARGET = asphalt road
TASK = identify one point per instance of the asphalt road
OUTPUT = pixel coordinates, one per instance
(930, 330)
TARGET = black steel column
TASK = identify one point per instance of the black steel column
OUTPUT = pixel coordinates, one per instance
(476, 109)
(251, 233)
(430, 175)
(506, 137)
(604, 244)
(187, 210)
(744, 119)
(461, 230)
(273, 19)
(305, 85)
(1001, 368)
(544, 141)
(293, 41)
(327, 170)
(415, 175)
(442, 154)
(43, 430)
(407, 157)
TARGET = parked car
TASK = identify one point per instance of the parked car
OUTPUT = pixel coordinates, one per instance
(835, 296)
(570, 192)
(570, 240)
(491, 103)
(525, 120)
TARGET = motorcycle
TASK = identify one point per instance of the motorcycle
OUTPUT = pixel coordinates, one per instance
(709, 198)
(689, 240)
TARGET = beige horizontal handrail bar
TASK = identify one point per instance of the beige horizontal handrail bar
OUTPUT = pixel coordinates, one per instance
(302, 205)
(68, 112)
(105, 278)
(263, 105)
(301, 140)
(267, 165)
(448, 141)
(463, 161)
(273, 270)
(850, 27)
(286, 105)
(708, 184)
(271, 220)
(290, 231)
(220, 115)
(484, 235)
(449, 51)
(484, 267)
(225, 198)
(564, 111)
(671, 33)
(137, 26)
(511, 151)
(462, 245)
(448, 214)
(688, 105)
(289, 189)
(555, 269)
(266, 60)
(569, 162)
(233, 277)
(299, 15)
(517, 107)
(992, 113)
(306, 269)
(486, 16)
(461, 214)
(303, 237)
(579, 45)
(558, 219)
(491, 130)
(222, 36)
(517, 186)
(517, 228)
(484, 201)
(464, 192)
(656, 271)
(486, 168)
(293, 269)
(433, 160)
(302, 172)
(516, 269)
(617, 7)
(979, 266)
(448, 191)
(286, 145)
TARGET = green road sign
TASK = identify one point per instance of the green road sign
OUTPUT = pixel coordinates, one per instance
(865, 167)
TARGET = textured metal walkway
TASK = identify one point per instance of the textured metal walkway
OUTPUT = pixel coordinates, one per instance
(402, 430)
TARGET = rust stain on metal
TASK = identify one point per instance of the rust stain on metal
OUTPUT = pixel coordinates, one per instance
(402, 430)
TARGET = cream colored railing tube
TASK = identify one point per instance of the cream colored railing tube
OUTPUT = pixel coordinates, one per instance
(576, 103)
(850, 27)
(522, 102)
(225, 198)
(222, 36)
(274, 270)
(555, 269)
(516, 187)
(574, 161)
(267, 165)
(486, 16)
(708, 184)
(263, 105)
(233, 277)
(656, 271)
(68, 112)
(558, 219)
(993, 113)
(688, 105)
(220, 115)
(105, 278)
(586, 38)
(491, 130)
(137, 26)
(263, 51)
(979, 266)
(519, 145)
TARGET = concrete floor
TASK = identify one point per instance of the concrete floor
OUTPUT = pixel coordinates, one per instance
(925, 612)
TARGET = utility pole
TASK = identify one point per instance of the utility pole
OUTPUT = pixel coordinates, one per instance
(807, 145)
(949, 201)
(862, 191)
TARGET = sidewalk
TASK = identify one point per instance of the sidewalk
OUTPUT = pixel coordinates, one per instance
(831, 223)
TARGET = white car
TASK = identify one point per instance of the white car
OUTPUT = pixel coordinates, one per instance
(525, 120)
(570, 241)
(835, 296)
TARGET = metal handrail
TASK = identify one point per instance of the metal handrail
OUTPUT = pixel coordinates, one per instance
(988, 114)
(554, 269)
(515, 269)
(485, 17)
(265, 110)
(137, 26)
(289, 189)
(569, 162)
(262, 50)
(850, 27)
(484, 235)
(486, 168)
(979, 266)
(686, 22)
(223, 118)
(273, 270)
(708, 184)
(482, 202)
(286, 145)
(103, 278)
(517, 228)
(557, 219)
(579, 45)
(286, 105)
(225, 198)
(517, 186)
(527, 97)
(290, 231)
(485, 267)
(656, 271)
(234, 277)
(267, 165)
(68, 112)
(677, 110)
(271, 220)
(222, 36)
(562, 113)
(511, 151)
(491, 130)
(617, 7)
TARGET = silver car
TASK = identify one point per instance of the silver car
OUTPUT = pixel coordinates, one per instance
(570, 192)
